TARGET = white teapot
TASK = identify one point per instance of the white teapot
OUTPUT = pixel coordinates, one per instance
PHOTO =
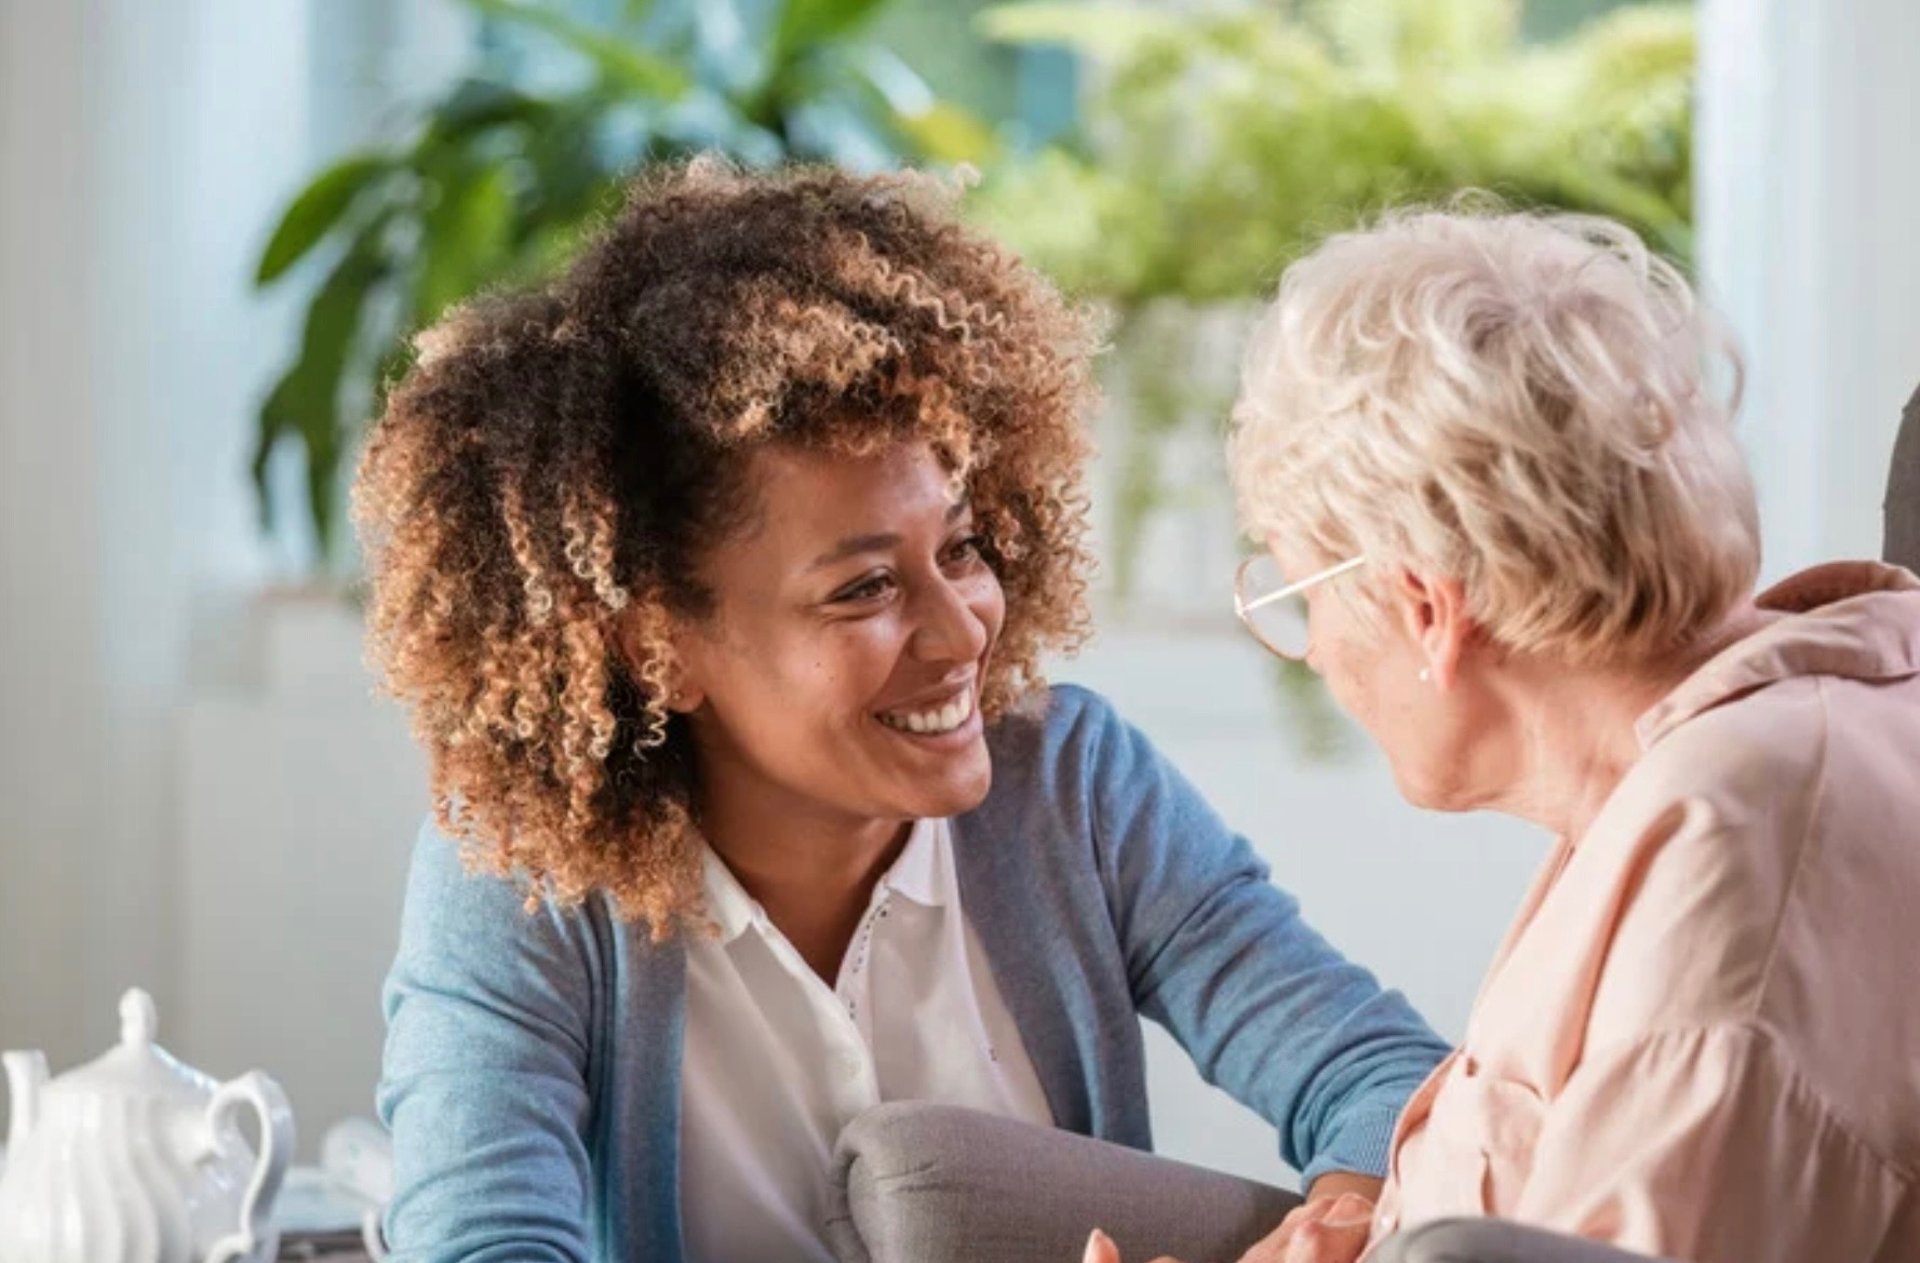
(135, 1158)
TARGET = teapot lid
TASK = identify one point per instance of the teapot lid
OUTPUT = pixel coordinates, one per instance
(137, 1066)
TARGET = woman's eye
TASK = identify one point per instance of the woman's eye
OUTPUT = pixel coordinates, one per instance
(871, 588)
(967, 550)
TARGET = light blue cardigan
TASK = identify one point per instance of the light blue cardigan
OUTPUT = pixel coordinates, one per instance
(532, 1072)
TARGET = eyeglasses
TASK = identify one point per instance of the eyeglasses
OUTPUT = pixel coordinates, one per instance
(1274, 610)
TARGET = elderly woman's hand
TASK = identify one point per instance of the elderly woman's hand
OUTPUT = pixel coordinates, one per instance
(1325, 1230)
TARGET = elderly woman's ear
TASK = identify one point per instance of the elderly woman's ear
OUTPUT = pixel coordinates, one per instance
(1433, 613)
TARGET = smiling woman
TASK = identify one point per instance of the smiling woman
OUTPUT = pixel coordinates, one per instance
(716, 575)
(545, 482)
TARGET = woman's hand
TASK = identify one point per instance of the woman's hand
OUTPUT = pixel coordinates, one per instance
(1325, 1230)
(1101, 1249)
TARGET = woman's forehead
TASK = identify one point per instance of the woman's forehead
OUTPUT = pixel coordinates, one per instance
(808, 499)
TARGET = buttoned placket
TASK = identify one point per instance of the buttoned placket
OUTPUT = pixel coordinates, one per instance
(844, 1008)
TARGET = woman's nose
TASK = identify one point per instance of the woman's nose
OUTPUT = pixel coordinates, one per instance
(951, 629)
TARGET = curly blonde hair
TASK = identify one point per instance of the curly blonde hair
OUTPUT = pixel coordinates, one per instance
(535, 498)
(1523, 402)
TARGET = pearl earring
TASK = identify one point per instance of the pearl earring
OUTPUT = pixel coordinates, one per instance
(1426, 676)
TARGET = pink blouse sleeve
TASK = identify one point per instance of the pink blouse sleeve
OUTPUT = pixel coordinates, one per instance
(1707, 1145)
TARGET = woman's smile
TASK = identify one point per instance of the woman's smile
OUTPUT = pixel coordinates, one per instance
(950, 712)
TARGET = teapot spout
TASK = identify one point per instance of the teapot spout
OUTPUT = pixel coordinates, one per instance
(26, 1075)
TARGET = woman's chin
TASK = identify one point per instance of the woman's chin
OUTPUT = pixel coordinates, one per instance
(957, 785)
(960, 791)
(1431, 792)
(951, 770)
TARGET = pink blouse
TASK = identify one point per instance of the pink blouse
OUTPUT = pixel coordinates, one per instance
(1701, 1037)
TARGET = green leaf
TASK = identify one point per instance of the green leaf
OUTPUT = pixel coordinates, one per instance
(618, 60)
(804, 23)
(568, 180)
(305, 403)
(800, 97)
(320, 206)
(548, 251)
(478, 104)
(466, 237)
(272, 425)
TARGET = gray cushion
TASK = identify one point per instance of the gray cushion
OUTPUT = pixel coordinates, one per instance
(1493, 1241)
(1903, 492)
(920, 1183)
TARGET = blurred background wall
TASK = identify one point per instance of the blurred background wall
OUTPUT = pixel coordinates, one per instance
(198, 792)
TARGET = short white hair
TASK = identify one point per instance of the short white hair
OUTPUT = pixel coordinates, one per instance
(1524, 402)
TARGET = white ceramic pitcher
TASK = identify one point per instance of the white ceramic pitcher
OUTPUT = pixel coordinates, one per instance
(135, 1158)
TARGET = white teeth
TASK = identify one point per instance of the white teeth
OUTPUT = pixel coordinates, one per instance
(944, 719)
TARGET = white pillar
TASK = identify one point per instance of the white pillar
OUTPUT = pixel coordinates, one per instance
(145, 152)
(51, 700)
(1808, 178)
(143, 148)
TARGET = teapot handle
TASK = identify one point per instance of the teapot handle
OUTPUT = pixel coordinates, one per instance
(276, 1148)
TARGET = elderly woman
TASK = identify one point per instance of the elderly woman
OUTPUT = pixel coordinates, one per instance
(717, 573)
(1506, 519)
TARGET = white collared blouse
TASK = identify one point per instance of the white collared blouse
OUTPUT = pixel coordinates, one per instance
(777, 1062)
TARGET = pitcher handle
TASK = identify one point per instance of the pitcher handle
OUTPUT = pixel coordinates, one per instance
(372, 1238)
(269, 1103)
